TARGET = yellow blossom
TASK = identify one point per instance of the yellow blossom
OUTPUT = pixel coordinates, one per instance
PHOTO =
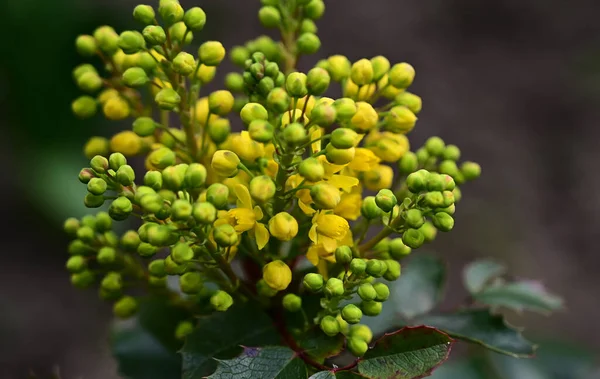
(283, 226)
(379, 178)
(318, 255)
(328, 230)
(365, 117)
(388, 146)
(202, 111)
(349, 206)
(126, 142)
(364, 160)
(277, 275)
(244, 146)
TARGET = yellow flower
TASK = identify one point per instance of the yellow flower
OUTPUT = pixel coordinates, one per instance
(388, 146)
(379, 178)
(126, 142)
(225, 163)
(319, 256)
(328, 230)
(116, 108)
(349, 206)
(300, 104)
(272, 166)
(365, 117)
(201, 112)
(244, 218)
(244, 146)
(364, 160)
(277, 275)
(283, 226)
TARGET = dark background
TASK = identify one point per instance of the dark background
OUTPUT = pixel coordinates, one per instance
(514, 83)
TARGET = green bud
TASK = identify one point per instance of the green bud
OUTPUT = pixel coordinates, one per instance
(382, 290)
(239, 55)
(157, 268)
(99, 164)
(153, 179)
(262, 188)
(449, 168)
(234, 82)
(120, 208)
(435, 146)
(218, 195)
(151, 203)
(410, 101)
(330, 326)
(451, 152)
(435, 182)
(126, 307)
(161, 158)
(167, 99)
(154, 35)
(170, 11)
(156, 282)
(97, 186)
(471, 170)
(414, 218)
(314, 9)
(220, 102)
(84, 107)
(448, 198)
(313, 282)
(278, 100)
(308, 43)
(264, 290)
(204, 213)
(362, 332)
(417, 181)
(339, 156)
(71, 225)
(261, 131)
(344, 138)
(295, 134)
(413, 238)
(371, 308)
(107, 39)
(116, 160)
(174, 176)
(265, 86)
(131, 41)
(295, 84)
(351, 314)
(367, 292)
(85, 175)
(144, 126)
(144, 14)
(386, 200)
(408, 163)
(76, 264)
(225, 235)
(146, 250)
(183, 329)
(106, 256)
(308, 26)
(361, 72)
(292, 302)
(400, 119)
(376, 268)
(334, 287)
(434, 199)
(323, 114)
(443, 221)
(83, 279)
(161, 235)
(343, 254)
(211, 53)
(181, 210)
(78, 247)
(221, 301)
(89, 220)
(112, 282)
(381, 66)
(130, 240)
(219, 130)
(184, 63)
(401, 75)
(86, 45)
(369, 208)
(103, 222)
(172, 268)
(89, 82)
(345, 108)
(125, 175)
(311, 169)
(253, 111)
(338, 67)
(393, 272)
(190, 282)
(195, 18)
(272, 70)
(195, 176)
(357, 346)
(269, 16)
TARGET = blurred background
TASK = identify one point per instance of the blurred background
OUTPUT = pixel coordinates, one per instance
(515, 84)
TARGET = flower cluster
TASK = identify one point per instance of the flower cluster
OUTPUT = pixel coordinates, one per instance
(319, 196)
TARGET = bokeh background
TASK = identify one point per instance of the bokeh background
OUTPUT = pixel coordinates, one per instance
(514, 83)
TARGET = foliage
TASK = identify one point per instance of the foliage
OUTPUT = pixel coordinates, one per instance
(263, 253)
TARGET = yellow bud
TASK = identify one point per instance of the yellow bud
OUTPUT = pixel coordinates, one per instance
(225, 163)
(379, 178)
(350, 89)
(365, 92)
(401, 75)
(206, 73)
(127, 143)
(202, 111)
(365, 117)
(388, 146)
(338, 67)
(277, 275)
(400, 119)
(325, 195)
(262, 188)
(362, 72)
(107, 94)
(245, 147)
(96, 146)
(387, 90)
(301, 101)
(283, 226)
(339, 156)
(220, 102)
(116, 108)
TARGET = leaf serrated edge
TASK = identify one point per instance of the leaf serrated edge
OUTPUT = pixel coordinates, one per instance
(411, 328)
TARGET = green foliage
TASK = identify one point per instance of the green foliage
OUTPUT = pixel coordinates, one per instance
(268, 363)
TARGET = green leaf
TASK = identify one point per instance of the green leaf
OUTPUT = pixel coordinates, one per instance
(323, 375)
(273, 362)
(145, 347)
(320, 346)
(220, 336)
(481, 327)
(409, 353)
(420, 287)
(479, 273)
(519, 296)
(337, 375)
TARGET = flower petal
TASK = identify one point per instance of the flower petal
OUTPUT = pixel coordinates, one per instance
(243, 195)
(262, 235)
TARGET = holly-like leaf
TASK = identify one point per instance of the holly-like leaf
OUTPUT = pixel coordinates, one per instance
(221, 334)
(409, 353)
(145, 347)
(420, 287)
(481, 327)
(273, 362)
(519, 296)
(320, 346)
(479, 273)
